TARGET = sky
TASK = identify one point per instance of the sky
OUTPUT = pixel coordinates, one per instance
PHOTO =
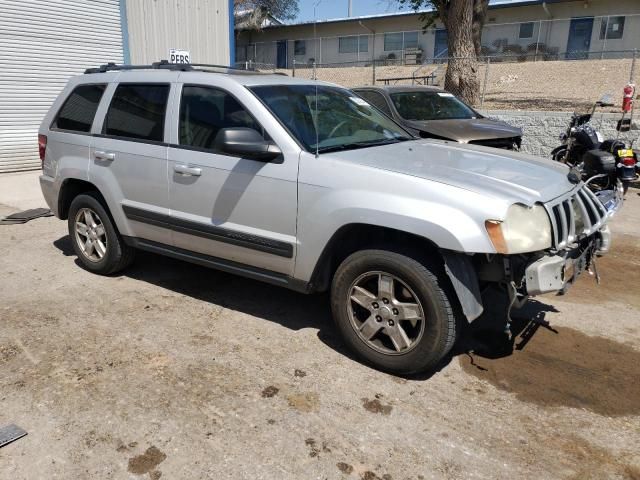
(339, 8)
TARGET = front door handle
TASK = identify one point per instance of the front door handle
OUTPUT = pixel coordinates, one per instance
(101, 155)
(189, 171)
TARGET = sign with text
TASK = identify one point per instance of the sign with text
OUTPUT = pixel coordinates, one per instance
(179, 56)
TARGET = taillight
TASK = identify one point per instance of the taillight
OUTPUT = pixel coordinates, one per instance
(42, 148)
(629, 162)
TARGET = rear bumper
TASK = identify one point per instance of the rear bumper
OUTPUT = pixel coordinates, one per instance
(50, 193)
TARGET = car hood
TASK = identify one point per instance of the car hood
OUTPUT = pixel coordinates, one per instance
(497, 173)
(466, 130)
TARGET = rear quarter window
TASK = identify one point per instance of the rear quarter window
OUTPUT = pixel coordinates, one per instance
(137, 111)
(79, 109)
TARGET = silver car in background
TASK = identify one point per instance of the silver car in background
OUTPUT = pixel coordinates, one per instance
(305, 185)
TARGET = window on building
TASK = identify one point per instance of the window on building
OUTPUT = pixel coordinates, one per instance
(78, 110)
(392, 41)
(526, 30)
(353, 44)
(137, 111)
(400, 41)
(299, 47)
(611, 28)
(410, 39)
(204, 111)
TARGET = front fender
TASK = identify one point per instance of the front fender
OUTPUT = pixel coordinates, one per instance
(322, 213)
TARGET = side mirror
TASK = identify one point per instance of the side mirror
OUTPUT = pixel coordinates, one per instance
(247, 143)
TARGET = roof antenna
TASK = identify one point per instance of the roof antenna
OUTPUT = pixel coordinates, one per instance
(315, 53)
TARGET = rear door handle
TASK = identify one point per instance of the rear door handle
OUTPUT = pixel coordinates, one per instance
(189, 171)
(101, 155)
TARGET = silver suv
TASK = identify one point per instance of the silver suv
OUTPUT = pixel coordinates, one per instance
(305, 185)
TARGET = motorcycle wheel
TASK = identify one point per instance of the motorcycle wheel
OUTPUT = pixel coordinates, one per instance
(559, 154)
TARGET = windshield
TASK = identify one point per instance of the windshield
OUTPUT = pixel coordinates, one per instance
(325, 118)
(430, 106)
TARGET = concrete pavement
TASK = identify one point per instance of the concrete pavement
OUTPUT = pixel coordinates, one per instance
(21, 190)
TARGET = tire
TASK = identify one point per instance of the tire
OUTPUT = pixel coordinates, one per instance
(114, 255)
(625, 188)
(558, 154)
(432, 338)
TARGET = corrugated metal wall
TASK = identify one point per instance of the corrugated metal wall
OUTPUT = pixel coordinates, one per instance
(42, 44)
(200, 26)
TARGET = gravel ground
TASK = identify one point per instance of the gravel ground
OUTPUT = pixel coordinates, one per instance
(171, 370)
(552, 85)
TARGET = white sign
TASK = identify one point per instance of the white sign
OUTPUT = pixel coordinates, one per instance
(179, 56)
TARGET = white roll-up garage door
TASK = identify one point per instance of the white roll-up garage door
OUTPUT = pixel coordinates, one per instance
(42, 44)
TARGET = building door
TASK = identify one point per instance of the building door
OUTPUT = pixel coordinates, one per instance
(281, 61)
(579, 38)
(441, 48)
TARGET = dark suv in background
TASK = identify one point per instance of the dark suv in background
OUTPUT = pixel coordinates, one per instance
(431, 112)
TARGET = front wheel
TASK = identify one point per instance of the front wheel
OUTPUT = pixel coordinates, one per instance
(559, 154)
(393, 311)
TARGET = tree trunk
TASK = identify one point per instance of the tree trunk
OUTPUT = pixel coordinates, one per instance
(462, 71)
(479, 17)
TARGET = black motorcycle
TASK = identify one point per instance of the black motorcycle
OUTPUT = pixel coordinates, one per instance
(602, 164)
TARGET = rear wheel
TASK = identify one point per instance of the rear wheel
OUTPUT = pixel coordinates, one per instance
(393, 311)
(95, 240)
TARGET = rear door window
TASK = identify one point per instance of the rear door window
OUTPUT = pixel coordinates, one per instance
(376, 99)
(79, 109)
(137, 111)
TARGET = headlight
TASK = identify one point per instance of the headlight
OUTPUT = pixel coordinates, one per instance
(524, 230)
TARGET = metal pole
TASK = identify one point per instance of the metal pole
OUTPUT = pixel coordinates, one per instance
(535, 58)
(632, 76)
(314, 71)
(373, 52)
(373, 55)
(606, 34)
(486, 78)
(293, 73)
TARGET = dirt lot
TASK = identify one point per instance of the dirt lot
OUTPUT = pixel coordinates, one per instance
(174, 371)
(551, 85)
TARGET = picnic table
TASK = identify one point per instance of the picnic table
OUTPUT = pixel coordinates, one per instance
(418, 80)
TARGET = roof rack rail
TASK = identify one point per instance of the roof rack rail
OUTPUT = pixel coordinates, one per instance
(162, 64)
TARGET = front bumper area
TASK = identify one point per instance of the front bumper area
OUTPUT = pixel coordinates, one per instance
(557, 272)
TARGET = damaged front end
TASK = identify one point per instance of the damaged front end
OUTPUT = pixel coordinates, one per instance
(579, 235)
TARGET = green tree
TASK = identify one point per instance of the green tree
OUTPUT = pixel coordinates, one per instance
(463, 20)
(254, 12)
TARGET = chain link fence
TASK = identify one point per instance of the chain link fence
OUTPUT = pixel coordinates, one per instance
(506, 82)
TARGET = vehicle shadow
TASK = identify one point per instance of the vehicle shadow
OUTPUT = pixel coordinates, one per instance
(487, 337)
(290, 309)
(484, 337)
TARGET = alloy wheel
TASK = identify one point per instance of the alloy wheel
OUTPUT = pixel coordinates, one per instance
(385, 313)
(91, 235)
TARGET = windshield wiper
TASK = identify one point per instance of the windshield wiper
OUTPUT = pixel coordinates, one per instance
(355, 145)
